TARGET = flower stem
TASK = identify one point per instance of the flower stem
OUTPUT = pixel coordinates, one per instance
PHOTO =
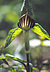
(26, 36)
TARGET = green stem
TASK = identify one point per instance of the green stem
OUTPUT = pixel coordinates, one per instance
(26, 36)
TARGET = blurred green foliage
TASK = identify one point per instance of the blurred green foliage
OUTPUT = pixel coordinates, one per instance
(10, 11)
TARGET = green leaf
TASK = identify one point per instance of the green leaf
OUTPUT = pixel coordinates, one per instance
(2, 57)
(40, 31)
(13, 33)
(30, 64)
(8, 56)
(11, 57)
(34, 68)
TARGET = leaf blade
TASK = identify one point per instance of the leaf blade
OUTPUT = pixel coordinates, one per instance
(8, 56)
(2, 57)
(38, 29)
(13, 33)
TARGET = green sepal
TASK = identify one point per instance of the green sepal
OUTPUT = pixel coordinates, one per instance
(38, 29)
(13, 33)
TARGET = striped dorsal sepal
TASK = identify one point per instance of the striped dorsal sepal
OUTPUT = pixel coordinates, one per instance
(26, 22)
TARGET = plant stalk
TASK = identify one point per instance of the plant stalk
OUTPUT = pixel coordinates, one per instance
(26, 39)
